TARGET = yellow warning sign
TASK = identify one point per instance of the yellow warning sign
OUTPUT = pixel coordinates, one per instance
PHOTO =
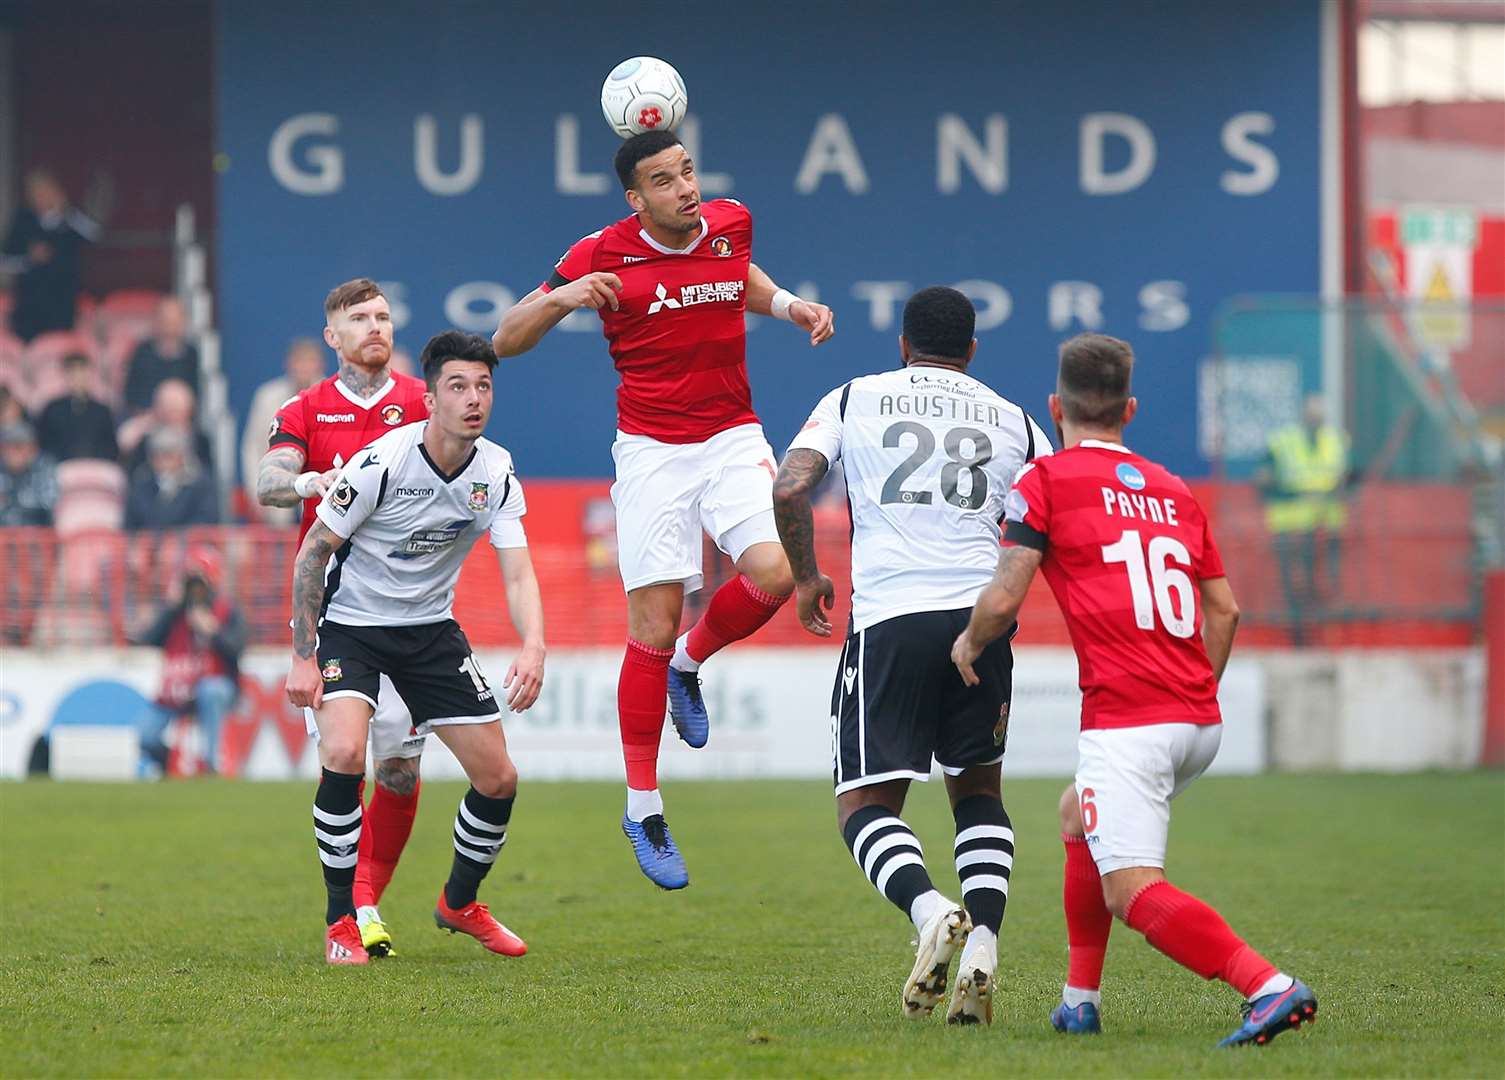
(1438, 289)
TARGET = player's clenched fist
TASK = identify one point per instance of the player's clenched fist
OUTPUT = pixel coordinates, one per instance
(524, 679)
(594, 291)
(816, 318)
(305, 683)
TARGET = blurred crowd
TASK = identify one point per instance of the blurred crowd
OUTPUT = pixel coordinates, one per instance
(103, 400)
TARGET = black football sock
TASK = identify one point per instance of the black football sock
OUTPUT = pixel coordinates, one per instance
(984, 858)
(480, 832)
(889, 854)
(337, 830)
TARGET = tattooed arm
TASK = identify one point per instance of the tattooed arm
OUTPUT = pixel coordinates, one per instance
(801, 471)
(305, 686)
(996, 607)
(281, 470)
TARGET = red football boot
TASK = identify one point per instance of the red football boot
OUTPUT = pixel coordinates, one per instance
(342, 943)
(475, 919)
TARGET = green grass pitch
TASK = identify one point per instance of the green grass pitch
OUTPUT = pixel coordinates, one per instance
(177, 930)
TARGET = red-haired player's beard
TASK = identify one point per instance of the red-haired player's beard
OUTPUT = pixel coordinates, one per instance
(372, 354)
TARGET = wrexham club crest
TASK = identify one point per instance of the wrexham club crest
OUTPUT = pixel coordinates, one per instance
(480, 496)
(332, 671)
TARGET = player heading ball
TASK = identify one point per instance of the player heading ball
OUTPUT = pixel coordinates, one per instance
(673, 284)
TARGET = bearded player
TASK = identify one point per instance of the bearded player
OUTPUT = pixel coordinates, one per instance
(1130, 557)
(312, 436)
(672, 284)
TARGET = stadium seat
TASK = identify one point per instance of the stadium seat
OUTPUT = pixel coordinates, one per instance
(78, 611)
(128, 311)
(91, 497)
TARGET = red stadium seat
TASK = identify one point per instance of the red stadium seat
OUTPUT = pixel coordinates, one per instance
(126, 310)
(91, 497)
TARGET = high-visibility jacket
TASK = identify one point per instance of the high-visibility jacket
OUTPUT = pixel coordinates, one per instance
(1309, 473)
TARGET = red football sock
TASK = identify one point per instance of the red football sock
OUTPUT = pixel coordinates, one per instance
(1088, 920)
(1196, 937)
(642, 694)
(385, 830)
(737, 610)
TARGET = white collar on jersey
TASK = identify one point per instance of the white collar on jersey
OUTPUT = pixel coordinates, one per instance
(1101, 445)
(366, 403)
(656, 246)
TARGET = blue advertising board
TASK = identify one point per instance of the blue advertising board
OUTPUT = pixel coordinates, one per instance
(1075, 165)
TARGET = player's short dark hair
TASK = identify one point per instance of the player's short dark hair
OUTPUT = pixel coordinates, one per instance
(635, 149)
(1093, 383)
(939, 323)
(453, 345)
(357, 291)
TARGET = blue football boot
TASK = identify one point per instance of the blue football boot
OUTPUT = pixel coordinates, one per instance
(658, 858)
(1082, 1020)
(1266, 1017)
(687, 707)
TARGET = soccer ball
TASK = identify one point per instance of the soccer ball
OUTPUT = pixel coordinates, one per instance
(643, 94)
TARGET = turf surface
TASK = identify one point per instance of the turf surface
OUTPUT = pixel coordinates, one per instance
(177, 930)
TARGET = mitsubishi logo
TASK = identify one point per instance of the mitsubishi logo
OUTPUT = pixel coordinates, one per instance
(663, 301)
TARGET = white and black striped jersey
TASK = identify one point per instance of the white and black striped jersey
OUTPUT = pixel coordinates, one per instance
(407, 528)
(929, 454)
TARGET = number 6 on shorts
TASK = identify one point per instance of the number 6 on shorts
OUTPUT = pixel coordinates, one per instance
(1089, 811)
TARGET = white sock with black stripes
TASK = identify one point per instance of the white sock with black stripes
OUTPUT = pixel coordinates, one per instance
(337, 831)
(889, 854)
(480, 833)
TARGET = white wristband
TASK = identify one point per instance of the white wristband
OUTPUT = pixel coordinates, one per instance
(779, 305)
(303, 485)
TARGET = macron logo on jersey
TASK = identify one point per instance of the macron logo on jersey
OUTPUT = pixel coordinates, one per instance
(707, 292)
(335, 417)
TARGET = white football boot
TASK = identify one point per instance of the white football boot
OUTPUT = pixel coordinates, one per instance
(938, 941)
(972, 998)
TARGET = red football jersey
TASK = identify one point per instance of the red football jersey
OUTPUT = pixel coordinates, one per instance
(679, 338)
(330, 423)
(1125, 544)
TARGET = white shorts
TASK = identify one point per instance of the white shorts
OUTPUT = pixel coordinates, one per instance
(1126, 779)
(391, 726)
(666, 493)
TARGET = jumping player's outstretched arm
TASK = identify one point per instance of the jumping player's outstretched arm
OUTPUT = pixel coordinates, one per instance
(1219, 621)
(305, 686)
(525, 606)
(764, 297)
(997, 607)
(528, 320)
(798, 476)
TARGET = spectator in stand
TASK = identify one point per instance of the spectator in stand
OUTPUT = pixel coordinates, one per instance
(171, 491)
(42, 249)
(167, 354)
(1306, 480)
(77, 424)
(173, 406)
(11, 409)
(201, 635)
(304, 367)
(28, 478)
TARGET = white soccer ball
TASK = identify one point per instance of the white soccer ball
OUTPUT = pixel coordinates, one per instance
(642, 94)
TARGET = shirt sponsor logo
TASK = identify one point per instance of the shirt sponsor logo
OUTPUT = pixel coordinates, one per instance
(413, 493)
(429, 541)
(335, 417)
(391, 415)
(1129, 477)
(341, 497)
(705, 292)
(480, 497)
